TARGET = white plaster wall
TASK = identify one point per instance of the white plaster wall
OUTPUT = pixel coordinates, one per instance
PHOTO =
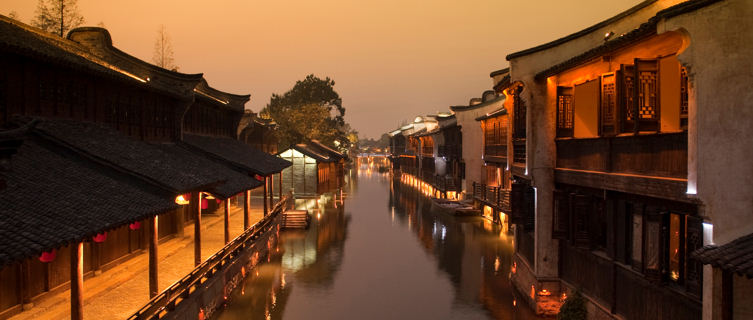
(472, 141)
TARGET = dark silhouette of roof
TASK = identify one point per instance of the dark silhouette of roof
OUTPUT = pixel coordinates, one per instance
(735, 256)
(236, 153)
(55, 197)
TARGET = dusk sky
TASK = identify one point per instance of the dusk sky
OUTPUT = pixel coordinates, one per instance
(391, 60)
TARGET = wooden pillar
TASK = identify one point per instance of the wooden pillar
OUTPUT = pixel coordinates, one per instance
(246, 207)
(153, 256)
(279, 183)
(271, 190)
(264, 197)
(226, 204)
(77, 281)
(25, 282)
(196, 196)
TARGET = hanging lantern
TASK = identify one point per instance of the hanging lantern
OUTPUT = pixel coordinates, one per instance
(219, 201)
(135, 226)
(100, 237)
(181, 200)
(48, 256)
(258, 177)
(208, 196)
(204, 203)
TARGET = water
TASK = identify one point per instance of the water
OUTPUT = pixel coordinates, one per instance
(383, 255)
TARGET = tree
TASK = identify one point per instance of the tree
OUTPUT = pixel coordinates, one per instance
(163, 50)
(312, 109)
(57, 16)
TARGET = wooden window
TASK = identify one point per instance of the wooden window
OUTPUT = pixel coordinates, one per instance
(627, 98)
(684, 98)
(581, 209)
(562, 213)
(519, 111)
(564, 111)
(609, 104)
(647, 94)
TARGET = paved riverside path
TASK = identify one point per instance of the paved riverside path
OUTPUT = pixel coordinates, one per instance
(120, 291)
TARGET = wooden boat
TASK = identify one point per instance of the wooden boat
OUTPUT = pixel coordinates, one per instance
(455, 208)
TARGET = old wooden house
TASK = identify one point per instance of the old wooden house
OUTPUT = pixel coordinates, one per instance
(258, 132)
(493, 191)
(316, 169)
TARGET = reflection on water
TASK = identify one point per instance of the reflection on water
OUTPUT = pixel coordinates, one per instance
(382, 255)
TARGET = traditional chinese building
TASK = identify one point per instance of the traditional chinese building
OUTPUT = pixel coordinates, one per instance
(258, 132)
(316, 169)
(493, 192)
(611, 194)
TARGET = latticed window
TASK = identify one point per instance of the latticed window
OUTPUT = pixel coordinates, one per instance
(609, 104)
(628, 98)
(647, 87)
(564, 112)
(684, 98)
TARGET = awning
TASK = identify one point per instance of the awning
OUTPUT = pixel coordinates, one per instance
(735, 256)
(236, 153)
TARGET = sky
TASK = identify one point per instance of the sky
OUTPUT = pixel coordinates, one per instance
(391, 59)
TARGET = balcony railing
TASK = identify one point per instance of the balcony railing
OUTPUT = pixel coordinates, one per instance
(495, 196)
(499, 150)
(663, 155)
(519, 151)
(444, 183)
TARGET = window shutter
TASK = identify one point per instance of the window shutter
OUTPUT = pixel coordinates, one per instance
(581, 211)
(561, 221)
(627, 98)
(517, 203)
(530, 209)
(564, 111)
(694, 241)
(609, 104)
(647, 94)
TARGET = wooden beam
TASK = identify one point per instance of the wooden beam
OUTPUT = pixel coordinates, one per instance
(196, 196)
(153, 256)
(246, 207)
(226, 204)
(77, 281)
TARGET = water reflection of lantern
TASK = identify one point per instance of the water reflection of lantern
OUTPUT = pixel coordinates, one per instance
(135, 226)
(48, 256)
(181, 200)
(100, 237)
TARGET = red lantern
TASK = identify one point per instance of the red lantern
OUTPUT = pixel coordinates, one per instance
(48, 256)
(204, 203)
(135, 226)
(219, 201)
(100, 237)
(258, 177)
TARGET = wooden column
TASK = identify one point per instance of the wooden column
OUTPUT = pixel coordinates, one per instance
(279, 183)
(246, 207)
(264, 197)
(25, 281)
(226, 204)
(196, 196)
(271, 190)
(77, 281)
(153, 230)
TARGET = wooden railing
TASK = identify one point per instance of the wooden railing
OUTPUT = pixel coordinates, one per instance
(663, 155)
(167, 301)
(519, 151)
(495, 196)
(444, 183)
(499, 150)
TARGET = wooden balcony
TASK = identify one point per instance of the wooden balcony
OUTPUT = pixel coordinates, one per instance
(494, 196)
(444, 183)
(656, 155)
(496, 153)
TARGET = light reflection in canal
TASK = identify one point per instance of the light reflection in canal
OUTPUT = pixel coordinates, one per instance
(382, 255)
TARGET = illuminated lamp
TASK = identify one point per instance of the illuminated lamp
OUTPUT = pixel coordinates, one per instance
(134, 226)
(204, 204)
(48, 256)
(100, 237)
(545, 292)
(181, 200)
(208, 196)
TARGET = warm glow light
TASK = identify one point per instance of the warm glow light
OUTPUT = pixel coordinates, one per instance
(181, 200)
(533, 292)
(545, 292)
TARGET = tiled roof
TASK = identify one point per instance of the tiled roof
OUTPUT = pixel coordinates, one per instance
(325, 149)
(307, 150)
(230, 101)
(143, 160)
(645, 30)
(475, 106)
(237, 153)
(498, 112)
(233, 181)
(735, 256)
(54, 197)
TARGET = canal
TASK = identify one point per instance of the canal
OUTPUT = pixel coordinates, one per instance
(382, 254)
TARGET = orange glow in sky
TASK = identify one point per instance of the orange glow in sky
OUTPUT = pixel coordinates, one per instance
(391, 60)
